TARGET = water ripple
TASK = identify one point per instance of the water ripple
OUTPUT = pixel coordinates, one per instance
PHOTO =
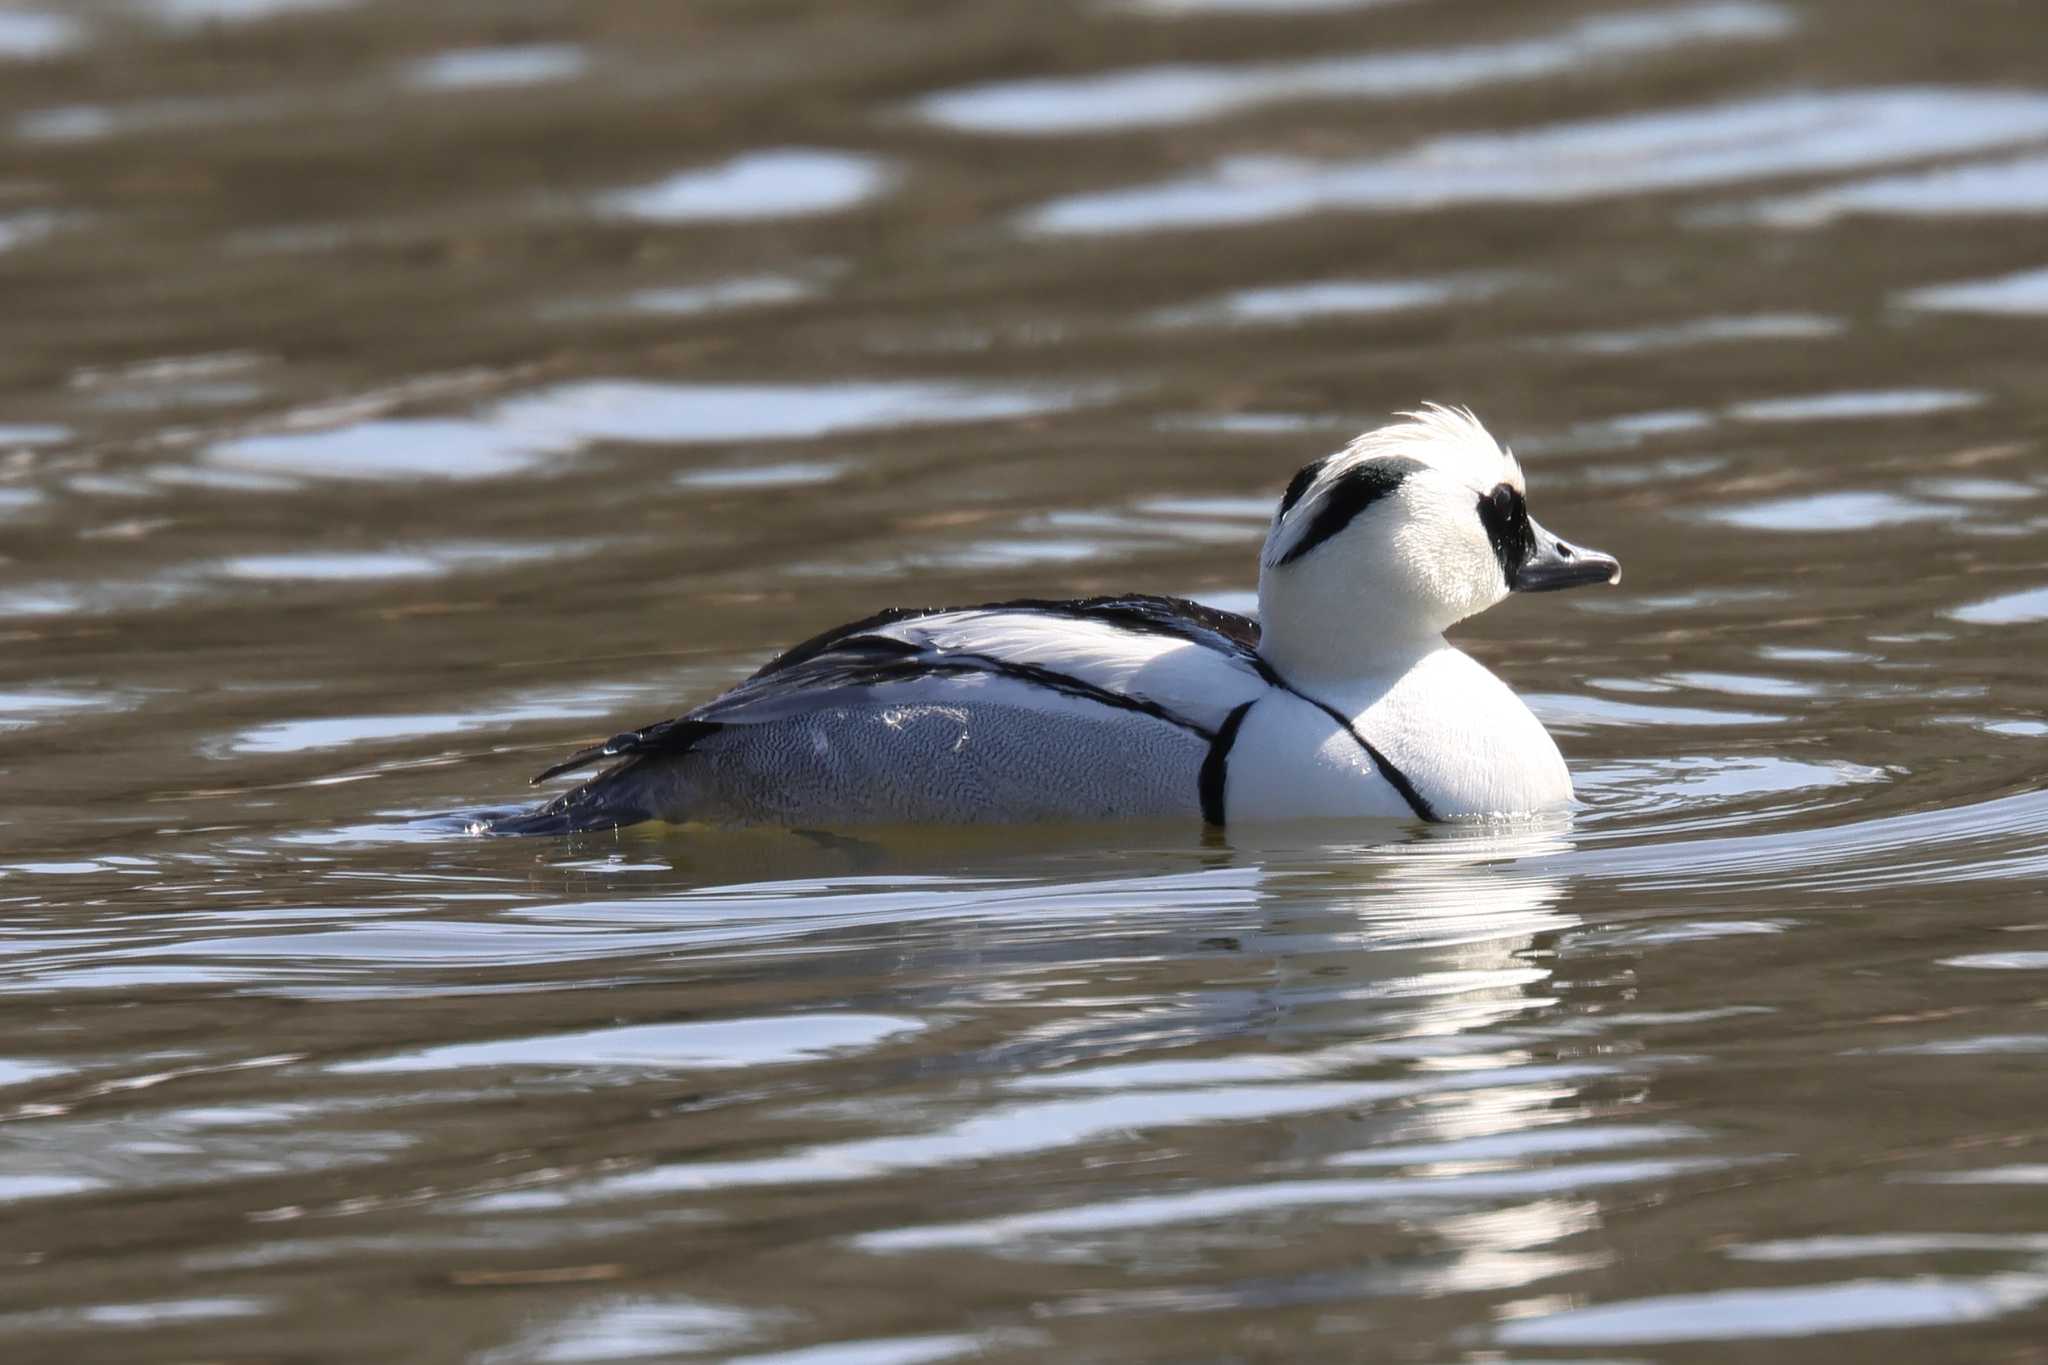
(1633, 154)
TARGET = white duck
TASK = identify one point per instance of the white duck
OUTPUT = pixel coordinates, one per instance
(1343, 699)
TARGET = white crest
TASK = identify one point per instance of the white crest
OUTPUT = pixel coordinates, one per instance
(1445, 438)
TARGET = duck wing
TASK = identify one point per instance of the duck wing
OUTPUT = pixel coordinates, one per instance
(1165, 657)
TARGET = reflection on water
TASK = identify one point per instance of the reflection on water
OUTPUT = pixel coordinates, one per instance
(1178, 94)
(1699, 331)
(772, 184)
(2016, 186)
(30, 35)
(1849, 511)
(1667, 150)
(200, 12)
(1331, 298)
(622, 410)
(1747, 1315)
(424, 447)
(2029, 604)
(393, 398)
(486, 67)
(2024, 292)
(744, 292)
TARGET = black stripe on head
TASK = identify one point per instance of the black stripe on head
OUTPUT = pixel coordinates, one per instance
(1298, 485)
(1356, 489)
(1505, 514)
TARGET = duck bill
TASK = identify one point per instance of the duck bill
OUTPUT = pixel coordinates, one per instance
(1552, 564)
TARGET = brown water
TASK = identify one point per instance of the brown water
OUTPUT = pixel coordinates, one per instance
(394, 396)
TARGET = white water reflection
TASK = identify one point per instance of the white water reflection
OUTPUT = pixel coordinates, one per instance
(637, 1327)
(28, 35)
(529, 433)
(21, 434)
(746, 291)
(134, 1316)
(1454, 1101)
(1569, 711)
(189, 113)
(707, 1045)
(312, 734)
(395, 448)
(21, 708)
(1800, 1311)
(1151, 96)
(197, 13)
(783, 474)
(1635, 153)
(1290, 303)
(1977, 490)
(161, 383)
(1238, 1201)
(1857, 1245)
(2017, 186)
(2007, 609)
(24, 229)
(1708, 331)
(1710, 783)
(784, 182)
(1854, 405)
(644, 412)
(17, 1186)
(1022, 1130)
(2017, 1173)
(339, 566)
(1852, 510)
(919, 1350)
(483, 68)
(1177, 8)
(2023, 292)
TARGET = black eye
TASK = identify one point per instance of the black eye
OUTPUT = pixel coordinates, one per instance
(1504, 500)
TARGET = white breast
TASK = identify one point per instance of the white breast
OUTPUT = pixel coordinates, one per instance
(1292, 761)
(1466, 740)
(1456, 732)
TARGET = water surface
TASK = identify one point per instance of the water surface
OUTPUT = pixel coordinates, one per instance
(392, 399)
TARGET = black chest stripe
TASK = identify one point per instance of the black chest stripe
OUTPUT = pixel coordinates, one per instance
(1216, 767)
(1395, 778)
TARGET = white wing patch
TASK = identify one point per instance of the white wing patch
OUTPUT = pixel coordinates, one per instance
(1196, 683)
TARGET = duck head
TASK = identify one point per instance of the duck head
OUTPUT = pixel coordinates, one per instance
(1378, 549)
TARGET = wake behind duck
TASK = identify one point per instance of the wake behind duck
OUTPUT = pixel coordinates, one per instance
(1343, 699)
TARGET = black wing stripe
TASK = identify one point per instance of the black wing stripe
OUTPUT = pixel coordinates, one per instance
(1216, 767)
(1079, 687)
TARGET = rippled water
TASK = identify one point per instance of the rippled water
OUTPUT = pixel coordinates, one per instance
(393, 397)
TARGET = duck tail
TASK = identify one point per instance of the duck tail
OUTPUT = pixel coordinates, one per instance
(602, 803)
(625, 794)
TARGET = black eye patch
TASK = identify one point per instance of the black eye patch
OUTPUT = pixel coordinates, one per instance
(1505, 514)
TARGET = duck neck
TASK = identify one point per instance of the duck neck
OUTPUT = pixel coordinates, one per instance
(1327, 654)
